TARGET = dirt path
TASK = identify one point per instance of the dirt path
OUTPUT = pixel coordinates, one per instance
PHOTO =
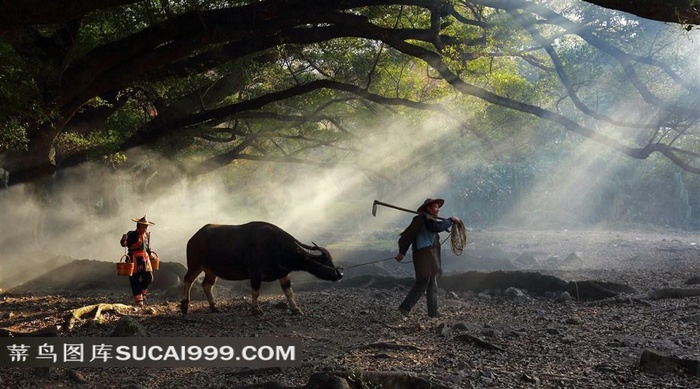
(539, 342)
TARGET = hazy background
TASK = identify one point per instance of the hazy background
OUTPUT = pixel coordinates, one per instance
(531, 177)
(89, 208)
(312, 203)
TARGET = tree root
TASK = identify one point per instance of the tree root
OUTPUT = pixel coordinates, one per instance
(362, 379)
(672, 293)
(390, 346)
(44, 332)
(479, 342)
(619, 301)
(76, 316)
(393, 379)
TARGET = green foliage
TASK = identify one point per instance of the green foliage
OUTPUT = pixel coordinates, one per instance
(617, 191)
(494, 53)
(70, 142)
(509, 83)
(13, 136)
(115, 159)
(19, 95)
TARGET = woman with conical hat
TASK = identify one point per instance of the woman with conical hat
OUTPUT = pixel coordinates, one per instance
(138, 245)
(422, 234)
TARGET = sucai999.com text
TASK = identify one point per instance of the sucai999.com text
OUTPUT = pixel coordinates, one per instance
(157, 352)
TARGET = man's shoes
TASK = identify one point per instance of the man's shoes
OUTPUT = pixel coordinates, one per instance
(435, 315)
(405, 312)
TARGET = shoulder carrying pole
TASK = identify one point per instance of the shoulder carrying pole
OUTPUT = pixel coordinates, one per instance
(377, 202)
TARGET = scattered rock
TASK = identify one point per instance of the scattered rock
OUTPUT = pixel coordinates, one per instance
(526, 260)
(529, 378)
(573, 260)
(339, 320)
(514, 292)
(596, 290)
(657, 363)
(479, 342)
(691, 319)
(671, 293)
(127, 326)
(327, 381)
(533, 282)
(75, 376)
(563, 297)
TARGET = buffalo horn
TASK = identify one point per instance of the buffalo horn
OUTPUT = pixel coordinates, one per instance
(311, 250)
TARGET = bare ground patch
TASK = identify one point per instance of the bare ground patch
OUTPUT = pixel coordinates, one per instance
(483, 339)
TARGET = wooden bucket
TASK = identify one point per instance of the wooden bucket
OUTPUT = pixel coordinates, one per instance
(155, 261)
(125, 268)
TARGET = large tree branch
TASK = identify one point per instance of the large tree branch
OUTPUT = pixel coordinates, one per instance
(625, 59)
(672, 11)
(193, 42)
(158, 128)
(17, 13)
(352, 25)
(20, 13)
(244, 30)
(529, 26)
(435, 60)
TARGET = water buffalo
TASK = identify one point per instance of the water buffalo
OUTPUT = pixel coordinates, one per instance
(257, 251)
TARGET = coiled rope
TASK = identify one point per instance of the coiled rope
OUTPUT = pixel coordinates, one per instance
(458, 242)
(458, 238)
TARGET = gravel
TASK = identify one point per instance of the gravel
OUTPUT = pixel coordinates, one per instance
(482, 340)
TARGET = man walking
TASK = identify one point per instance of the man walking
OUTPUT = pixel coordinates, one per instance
(422, 234)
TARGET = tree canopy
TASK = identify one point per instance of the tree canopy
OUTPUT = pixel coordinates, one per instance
(675, 11)
(277, 80)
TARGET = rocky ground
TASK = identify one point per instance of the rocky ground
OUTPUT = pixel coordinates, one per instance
(490, 338)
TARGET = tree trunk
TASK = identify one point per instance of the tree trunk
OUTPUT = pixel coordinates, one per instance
(37, 162)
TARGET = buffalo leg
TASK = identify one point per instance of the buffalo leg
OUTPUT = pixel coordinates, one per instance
(286, 284)
(188, 281)
(255, 284)
(208, 285)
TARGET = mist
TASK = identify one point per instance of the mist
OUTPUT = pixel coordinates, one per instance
(44, 230)
(330, 206)
(82, 212)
